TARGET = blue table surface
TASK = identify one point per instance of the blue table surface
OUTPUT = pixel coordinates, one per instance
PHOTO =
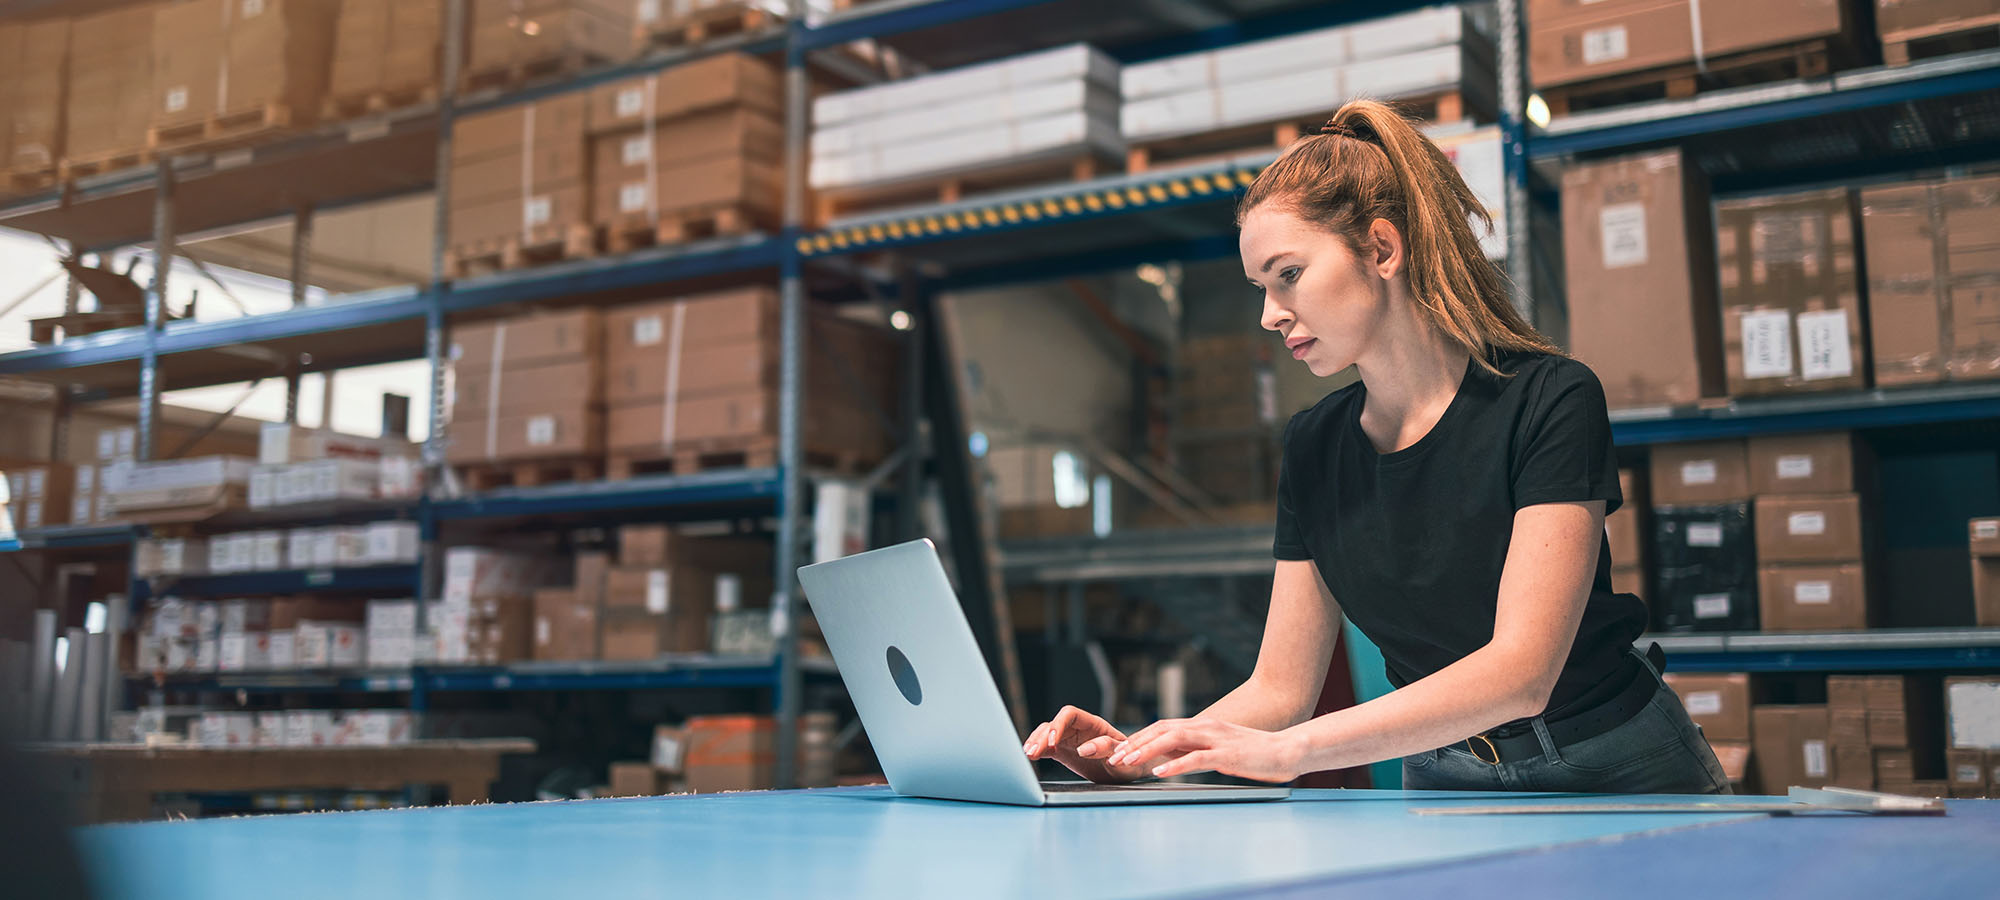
(871, 842)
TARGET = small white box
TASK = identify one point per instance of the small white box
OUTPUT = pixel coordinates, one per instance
(271, 729)
(208, 654)
(226, 729)
(351, 546)
(207, 618)
(399, 477)
(244, 651)
(284, 648)
(221, 553)
(390, 543)
(245, 615)
(392, 617)
(377, 727)
(309, 728)
(321, 645)
(267, 551)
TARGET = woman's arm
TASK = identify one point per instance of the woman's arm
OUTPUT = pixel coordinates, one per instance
(1543, 588)
(1299, 636)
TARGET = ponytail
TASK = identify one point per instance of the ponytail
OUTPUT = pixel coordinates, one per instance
(1369, 162)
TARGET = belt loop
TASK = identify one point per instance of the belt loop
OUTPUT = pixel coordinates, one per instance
(1549, 750)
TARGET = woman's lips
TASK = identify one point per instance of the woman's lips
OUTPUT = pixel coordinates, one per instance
(1299, 352)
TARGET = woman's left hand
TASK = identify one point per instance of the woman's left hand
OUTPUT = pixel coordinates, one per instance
(1181, 746)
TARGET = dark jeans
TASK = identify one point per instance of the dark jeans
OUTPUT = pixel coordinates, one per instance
(1657, 751)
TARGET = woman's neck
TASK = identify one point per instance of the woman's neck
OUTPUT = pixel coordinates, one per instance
(1411, 369)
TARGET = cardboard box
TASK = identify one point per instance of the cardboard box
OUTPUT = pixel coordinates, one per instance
(1790, 747)
(322, 645)
(109, 75)
(520, 172)
(33, 59)
(731, 753)
(1734, 756)
(644, 545)
(506, 34)
(1932, 309)
(524, 389)
(1720, 704)
(1847, 726)
(1973, 707)
(1705, 568)
(565, 625)
(475, 573)
(1983, 536)
(1622, 528)
(732, 81)
(1629, 580)
(219, 57)
(1809, 529)
(1813, 597)
(559, 337)
(635, 779)
(575, 431)
(1791, 293)
(1579, 40)
(1702, 473)
(1803, 463)
(385, 47)
(40, 496)
(1853, 765)
(1847, 691)
(1893, 765)
(1638, 252)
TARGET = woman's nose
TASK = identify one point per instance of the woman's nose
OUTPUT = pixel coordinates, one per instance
(1275, 316)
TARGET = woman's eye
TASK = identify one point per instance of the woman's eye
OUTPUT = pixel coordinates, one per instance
(1291, 275)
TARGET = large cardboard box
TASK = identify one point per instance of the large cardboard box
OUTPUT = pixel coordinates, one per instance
(635, 779)
(1579, 40)
(544, 434)
(725, 159)
(1853, 765)
(1814, 528)
(1966, 770)
(519, 170)
(1803, 463)
(1622, 528)
(528, 388)
(1791, 293)
(730, 753)
(505, 35)
(483, 347)
(1985, 542)
(733, 81)
(1813, 597)
(387, 47)
(1893, 16)
(110, 81)
(1720, 704)
(1638, 251)
(1705, 568)
(33, 61)
(223, 57)
(40, 496)
(565, 625)
(1790, 747)
(1933, 257)
(1704, 473)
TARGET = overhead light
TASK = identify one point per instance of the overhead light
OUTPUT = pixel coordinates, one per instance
(900, 320)
(1538, 111)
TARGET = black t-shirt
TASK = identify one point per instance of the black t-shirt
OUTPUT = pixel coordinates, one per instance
(1412, 542)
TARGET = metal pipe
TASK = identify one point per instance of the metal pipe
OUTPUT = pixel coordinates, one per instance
(156, 303)
(302, 220)
(791, 406)
(1514, 156)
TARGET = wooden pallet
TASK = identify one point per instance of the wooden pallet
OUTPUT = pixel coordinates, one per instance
(562, 66)
(1444, 106)
(354, 106)
(688, 457)
(1900, 48)
(22, 181)
(43, 330)
(528, 473)
(71, 169)
(684, 225)
(699, 26)
(541, 245)
(1806, 59)
(833, 203)
(223, 129)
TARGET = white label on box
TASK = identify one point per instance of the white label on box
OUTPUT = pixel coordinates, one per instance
(541, 431)
(1823, 348)
(1623, 229)
(1704, 703)
(1813, 593)
(252, 8)
(1767, 344)
(1806, 523)
(1711, 606)
(637, 150)
(656, 592)
(631, 102)
(1603, 45)
(1986, 530)
(542, 631)
(632, 197)
(177, 99)
(1705, 534)
(107, 444)
(647, 12)
(1815, 752)
(1698, 471)
(646, 331)
(38, 482)
(728, 593)
(1798, 466)
(1965, 774)
(86, 476)
(536, 211)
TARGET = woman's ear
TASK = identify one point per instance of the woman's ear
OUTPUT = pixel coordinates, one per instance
(1387, 246)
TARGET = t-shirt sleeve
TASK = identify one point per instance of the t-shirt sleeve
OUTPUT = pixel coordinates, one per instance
(1290, 542)
(1565, 452)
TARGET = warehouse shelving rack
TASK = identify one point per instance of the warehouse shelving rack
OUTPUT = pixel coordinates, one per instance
(1106, 223)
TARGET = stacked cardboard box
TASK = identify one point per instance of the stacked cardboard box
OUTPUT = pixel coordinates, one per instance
(520, 173)
(385, 48)
(1973, 705)
(1571, 41)
(1933, 256)
(513, 36)
(1813, 575)
(245, 643)
(1905, 730)
(1428, 52)
(527, 388)
(1791, 293)
(1704, 547)
(1640, 259)
(110, 80)
(1901, 22)
(182, 489)
(33, 62)
(700, 375)
(392, 636)
(1054, 104)
(216, 58)
(1847, 731)
(1720, 705)
(1227, 416)
(662, 596)
(39, 496)
(567, 619)
(1622, 530)
(487, 613)
(1790, 747)
(692, 140)
(1984, 540)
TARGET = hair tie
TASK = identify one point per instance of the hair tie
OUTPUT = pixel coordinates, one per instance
(1338, 128)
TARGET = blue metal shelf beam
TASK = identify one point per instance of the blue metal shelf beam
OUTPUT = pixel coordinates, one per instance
(893, 18)
(1866, 409)
(530, 677)
(71, 538)
(648, 492)
(1884, 660)
(366, 579)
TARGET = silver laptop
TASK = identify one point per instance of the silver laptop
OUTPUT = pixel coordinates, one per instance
(931, 708)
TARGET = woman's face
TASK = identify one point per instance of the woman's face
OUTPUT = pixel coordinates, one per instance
(1325, 301)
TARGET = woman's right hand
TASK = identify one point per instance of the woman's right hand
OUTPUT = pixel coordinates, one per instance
(1082, 742)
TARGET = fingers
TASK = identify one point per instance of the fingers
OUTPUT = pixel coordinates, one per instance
(1198, 761)
(1036, 741)
(1060, 724)
(1180, 737)
(1097, 747)
(1143, 737)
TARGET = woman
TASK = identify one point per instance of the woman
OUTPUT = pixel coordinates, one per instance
(1452, 504)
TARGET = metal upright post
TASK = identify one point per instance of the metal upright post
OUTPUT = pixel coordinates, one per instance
(59, 430)
(301, 256)
(156, 309)
(1514, 156)
(909, 506)
(791, 403)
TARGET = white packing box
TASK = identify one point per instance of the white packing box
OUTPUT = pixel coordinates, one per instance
(115, 444)
(399, 477)
(309, 728)
(1295, 95)
(171, 556)
(244, 651)
(239, 616)
(1022, 102)
(208, 654)
(180, 482)
(395, 650)
(350, 545)
(226, 729)
(221, 550)
(180, 654)
(377, 727)
(284, 648)
(267, 551)
(1972, 706)
(944, 88)
(150, 653)
(207, 618)
(1001, 141)
(471, 572)
(389, 543)
(271, 729)
(391, 617)
(1376, 39)
(321, 645)
(1482, 164)
(172, 617)
(280, 443)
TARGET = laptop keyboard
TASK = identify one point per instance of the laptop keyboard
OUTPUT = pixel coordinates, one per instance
(1072, 787)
